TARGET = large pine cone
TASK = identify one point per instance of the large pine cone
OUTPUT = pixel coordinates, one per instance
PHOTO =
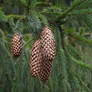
(16, 45)
(46, 67)
(48, 45)
(35, 59)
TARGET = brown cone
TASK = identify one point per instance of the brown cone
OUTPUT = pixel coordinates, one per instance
(35, 59)
(16, 45)
(46, 67)
(48, 46)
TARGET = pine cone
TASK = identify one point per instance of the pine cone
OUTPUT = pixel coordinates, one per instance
(48, 46)
(46, 67)
(36, 59)
(16, 45)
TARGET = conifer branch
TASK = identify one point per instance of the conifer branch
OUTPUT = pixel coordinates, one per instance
(22, 4)
(27, 43)
(81, 38)
(83, 83)
(15, 16)
(69, 46)
(28, 8)
(74, 14)
(61, 34)
(80, 63)
(69, 10)
(81, 12)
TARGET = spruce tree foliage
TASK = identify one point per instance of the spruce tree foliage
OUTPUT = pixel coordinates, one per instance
(71, 24)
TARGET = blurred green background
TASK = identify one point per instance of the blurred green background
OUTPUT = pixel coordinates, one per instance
(71, 23)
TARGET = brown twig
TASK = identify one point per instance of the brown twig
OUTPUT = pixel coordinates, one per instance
(28, 8)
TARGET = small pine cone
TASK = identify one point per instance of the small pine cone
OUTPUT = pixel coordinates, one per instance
(35, 59)
(48, 45)
(46, 67)
(16, 45)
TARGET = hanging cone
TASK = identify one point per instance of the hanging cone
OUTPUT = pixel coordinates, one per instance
(46, 67)
(48, 46)
(35, 59)
(16, 45)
